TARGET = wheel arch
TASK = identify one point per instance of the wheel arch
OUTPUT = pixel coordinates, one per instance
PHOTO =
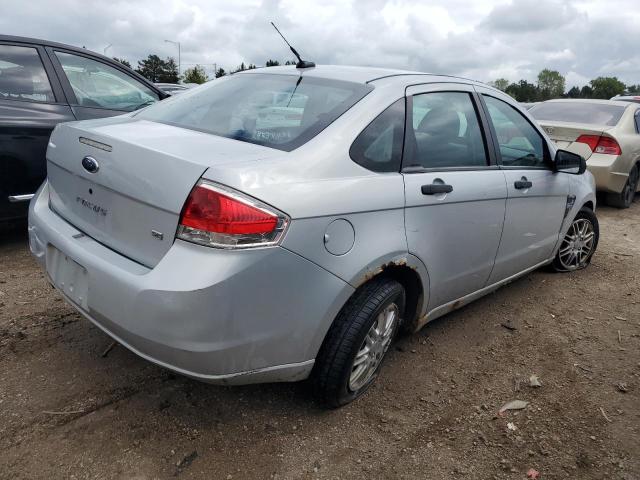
(406, 269)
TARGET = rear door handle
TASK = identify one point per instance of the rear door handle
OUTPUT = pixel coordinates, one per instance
(522, 184)
(436, 188)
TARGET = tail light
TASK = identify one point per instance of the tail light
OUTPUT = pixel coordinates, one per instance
(598, 144)
(219, 217)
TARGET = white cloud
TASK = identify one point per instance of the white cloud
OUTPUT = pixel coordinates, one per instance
(478, 39)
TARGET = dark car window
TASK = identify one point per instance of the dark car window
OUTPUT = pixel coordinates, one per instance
(97, 84)
(445, 132)
(279, 111)
(22, 75)
(379, 146)
(520, 144)
(578, 112)
(637, 117)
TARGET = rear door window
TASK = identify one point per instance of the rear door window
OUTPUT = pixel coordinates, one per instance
(521, 145)
(96, 84)
(22, 75)
(445, 133)
(379, 146)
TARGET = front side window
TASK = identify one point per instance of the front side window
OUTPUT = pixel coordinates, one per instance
(22, 75)
(97, 84)
(520, 144)
(278, 111)
(379, 146)
(445, 132)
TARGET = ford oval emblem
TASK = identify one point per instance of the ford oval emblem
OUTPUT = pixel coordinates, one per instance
(90, 164)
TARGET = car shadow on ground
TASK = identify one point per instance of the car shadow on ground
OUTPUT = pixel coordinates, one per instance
(13, 233)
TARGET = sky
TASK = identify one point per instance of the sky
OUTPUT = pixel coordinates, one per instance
(478, 39)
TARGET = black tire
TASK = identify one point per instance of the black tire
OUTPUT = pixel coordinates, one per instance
(584, 214)
(626, 197)
(334, 363)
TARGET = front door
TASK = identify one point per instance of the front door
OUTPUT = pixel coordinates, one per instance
(455, 194)
(537, 197)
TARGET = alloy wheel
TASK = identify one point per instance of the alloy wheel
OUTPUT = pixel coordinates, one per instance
(373, 348)
(577, 245)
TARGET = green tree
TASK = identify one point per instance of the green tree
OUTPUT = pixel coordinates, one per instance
(157, 70)
(550, 84)
(289, 62)
(123, 61)
(195, 75)
(170, 72)
(272, 63)
(151, 68)
(523, 91)
(633, 89)
(574, 92)
(607, 87)
(500, 84)
(240, 68)
(586, 92)
(220, 72)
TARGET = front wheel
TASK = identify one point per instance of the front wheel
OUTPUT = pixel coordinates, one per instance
(579, 243)
(357, 342)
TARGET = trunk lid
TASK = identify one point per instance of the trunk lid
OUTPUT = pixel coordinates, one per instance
(564, 135)
(132, 203)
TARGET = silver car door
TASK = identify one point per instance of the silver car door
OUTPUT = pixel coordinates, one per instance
(537, 196)
(455, 194)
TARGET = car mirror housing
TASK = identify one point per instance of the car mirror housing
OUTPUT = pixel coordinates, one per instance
(568, 162)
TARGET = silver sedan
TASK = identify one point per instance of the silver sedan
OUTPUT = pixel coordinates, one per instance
(287, 223)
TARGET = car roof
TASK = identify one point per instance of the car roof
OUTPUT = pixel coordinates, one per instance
(359, 74)
(48, 43)
(589, 100)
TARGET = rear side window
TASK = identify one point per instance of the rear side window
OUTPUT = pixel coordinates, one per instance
(445, 132)
(520, 144)
(578, 112)
(278, 111)
(97, 84)
(379, 146)
(22, 75)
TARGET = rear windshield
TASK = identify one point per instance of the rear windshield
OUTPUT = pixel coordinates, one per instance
(577, 112)
(279, 111)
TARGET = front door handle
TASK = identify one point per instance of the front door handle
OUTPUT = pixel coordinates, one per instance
(436, 188)
(522, 184)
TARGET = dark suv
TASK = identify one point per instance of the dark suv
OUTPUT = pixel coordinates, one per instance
(42, 84)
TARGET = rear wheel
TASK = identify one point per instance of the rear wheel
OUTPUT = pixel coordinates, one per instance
(357, 342)
(625, 198)
(579, 243)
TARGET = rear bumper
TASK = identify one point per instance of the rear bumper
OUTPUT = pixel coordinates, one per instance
(609, 171)
(230, 317)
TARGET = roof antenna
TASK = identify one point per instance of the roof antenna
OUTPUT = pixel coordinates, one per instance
(301, 63)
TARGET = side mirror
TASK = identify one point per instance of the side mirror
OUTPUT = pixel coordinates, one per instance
(568, 162)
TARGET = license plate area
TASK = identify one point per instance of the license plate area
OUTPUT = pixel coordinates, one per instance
(68, 276)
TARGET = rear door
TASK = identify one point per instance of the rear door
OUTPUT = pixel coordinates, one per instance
(537, 197)
(98, 89)
(31, 104)
(455, 193)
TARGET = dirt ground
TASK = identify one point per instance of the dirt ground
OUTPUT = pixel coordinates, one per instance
(68, 412)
